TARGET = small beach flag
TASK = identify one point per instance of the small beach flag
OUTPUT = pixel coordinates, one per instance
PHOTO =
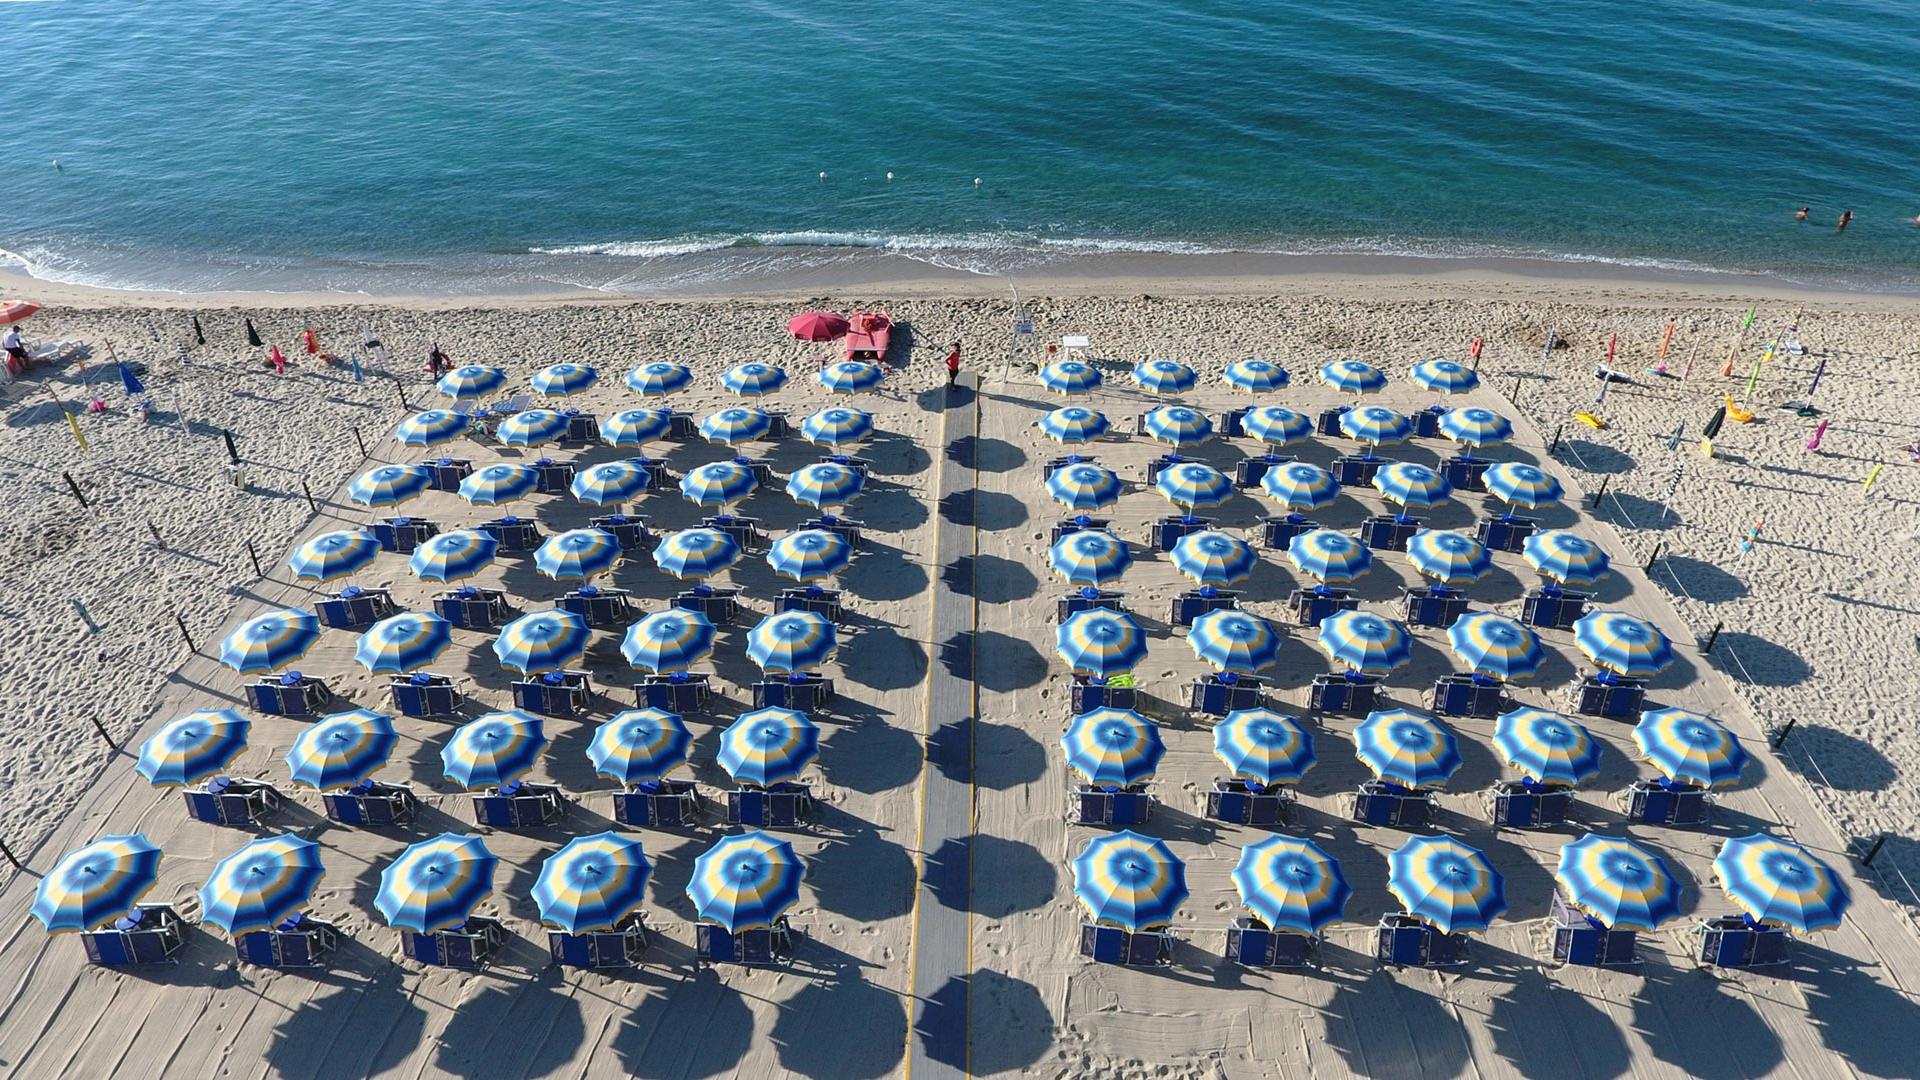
(253, 336)
(1748, 321)
(199, 335)
(278, 360)
(1819, 431)
(134, 389)
(313, 343)
(1865, 488)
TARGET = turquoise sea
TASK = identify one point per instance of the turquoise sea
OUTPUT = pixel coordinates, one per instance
(385, 146)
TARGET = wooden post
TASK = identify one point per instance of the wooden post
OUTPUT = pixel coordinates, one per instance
(154, 531)
(1780, 739)
(1872, 852)
(308, 492)
(401, 390)
(75, 488)
(181, 622)
(233, 452)
(1515, 396)
(1556, 438)
(360, 442)
(8, 852)
(1711, 638)
(1602, 493)
(1655, 557)
(255, 556)
(103, 733)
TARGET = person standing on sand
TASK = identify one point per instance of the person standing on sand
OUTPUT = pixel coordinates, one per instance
(1845, 216)
(953, 366)
(437, 360)
(18, 359)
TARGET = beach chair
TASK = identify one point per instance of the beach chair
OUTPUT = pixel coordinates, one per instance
(1387, 532)
(559, 694)
(507, 406)
(863, 466)
(149, 934)
(720, 606)
(761, 468)
(1310, 607)
(1426, 422)
(402, 534)
(1380, 803)
(1427, 606)
(822, 602)
(606, 609)
(1343, 696)
(1237, 801)
(289, 694)
(1217, 694)
(1078, 523)
(1356, 470)
(682, 427)
(1328, 421)
(658, 804)
(1193, 603)
(758, 946)
(1504, 532)
(423, 694)
(778, 427)
(1553, 608)
(631, 532)
(371, 804)
(1169, 531)
(782, 806)
(679, 692)
(1611, 697)
(227, 801)
(298, 942)
(1255, 944)
(467, 946)
(447, 473)
(1055, 464)
(553, 477)
(745, 531)
(1127, 806)
(1232, 423)
(355, 608)
(468, 608)
(1154, 466)
(519, 805)
(1513, 804)
(1404, 941)
(514, 534)
(581, 428)
(1086, 600)
(1465, 472)
(1248, 472)
(1088, 696)
(620, 947)
(1112, 945)
(1734, 941)
(1278, 532)
(1465, 695)
(802, 691)
(846, 528)
(1579, 938)
(1666, 802)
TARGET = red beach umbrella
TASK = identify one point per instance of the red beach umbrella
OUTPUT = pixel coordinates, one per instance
(12, 311)
(817, 326)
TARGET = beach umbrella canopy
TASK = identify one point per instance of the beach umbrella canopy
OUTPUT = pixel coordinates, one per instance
(263, 883)
(817, 326)
(1451, 558)
(837, 425)
(745, 881)
(611, 482)
(1084, 486)
(810, 554)
(1526, 485)
(1130, 881)
(670, 640)
(1618, 882)
(271, 641)
(1276, 426)
(1409, 484)
(1546, 746)
(342, 749)
(405, 642)
(1177, 426)
(1164, 377)
(471, 381)
(592, 883)
(1444, 376)
(1211, 557)
(1234, 640)
(1365, 642)
(333, 554)
(768, 746)
(696, 553)
(1445, 882)
(792, 641)
(1070, 377)
(493, 749)
(1191, 484)
(1496, 646)
(1113, 747)
(1291, 884)
(1263, 746)
(1090, 557)
(851, 377)
(1406, 748)
(753, 380)
(451, 556)
(499, 483)
(1298, 485)
(1781, 883)
(736, 425)
(534, 427)
(1375, 424)
(1074, 424)
(636, 427)
(1687, 746)
(659, 379)
(1101, 642)
(1622, 644)
(1256, 376)
(561, 380)
(435, 884)
(13, 311)
(720, 483)
(1333, 557)
(1475, 426)
(433, 427)
(97, 883)
(825, 484)
(541, 641)
(639, 745)
(193, 747)
(389, 485)
(1566, 558)
(1353, 377)
(577, 553)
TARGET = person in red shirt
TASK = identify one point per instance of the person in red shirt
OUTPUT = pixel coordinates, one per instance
(953, 366)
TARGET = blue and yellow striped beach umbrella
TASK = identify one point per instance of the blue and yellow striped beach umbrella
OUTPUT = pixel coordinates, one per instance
(1256, 376)
(1234, 640)
(1190, 484)
(809, 555)
(1566, 558)
(1622, 644)
(753, 380)
(1298, 485)
(1690, 747)
(1276, 425)
(1101, 642)
(851, 377)
(1090, 557)
(541, 641)
(1546, 746)
(1365, 642)
(738, 424)
(1130, 881)
(1291, 884)
(261, 884)
(824, 484)
(837, 425)
(435, 884)
(1375, 425)
(389, 485)
(97, 883)
(1113, 747)
(1074, 424)
(271, 641)
(1781, 883)
(1070, 377)
(1475, 426)
(1164, 377)
(1333, 557)
(1446, 883)
(673, 639)
(1211, 557)
(534, 427)
(696, 553)
(1444, 376)
(342, 749)
(1406, 748)
(471, 381)
(1522, 484)
(577, 553)
(493, 748)
(659, 379)
(792, 641)
(1496, 646)
(1084, 486)
(1410, 484)
(402, 643)
(640, 745)
(1353, 377)
(193, 747)
(501, 482)
(611, 482)
(1618, 882)
(745, 881)
(452, 556)
(720, 483)
(561, 380)
(592, 883)
(1177, 426)
(432, 427)
(636, 427)
(767, 746)
(333, 554)
(1451, 558)
(1263, 746)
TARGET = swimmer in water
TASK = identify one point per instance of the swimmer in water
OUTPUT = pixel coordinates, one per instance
(1801, 213)
(1845, 216)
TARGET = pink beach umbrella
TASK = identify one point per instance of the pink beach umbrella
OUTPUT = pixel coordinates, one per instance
(817, 326)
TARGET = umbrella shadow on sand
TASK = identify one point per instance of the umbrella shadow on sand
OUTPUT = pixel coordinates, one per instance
(527, 1028)
(1689, 1020)
(366, 1027)
(1020, 1019)
(841, 1027)
(1855, 1013)
(1538, 1020)
(1409, 1047)
(698, 1027)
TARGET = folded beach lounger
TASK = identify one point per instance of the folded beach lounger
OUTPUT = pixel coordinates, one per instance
(1615, 699)
(227, 801)
(1232, 423)
(1253, 943)
(149, 934)
(581, 427)
(1112, 945)
(1248, 472)
(1465, 472)
(1078, 523)
(1513, 805)
(1277, 532)
(553, 477)
(847, 528)
(446, 473)
(1578, 938)
(1089, 696)
(1169, 531)
(299, 942)
(822, 602)
(745, 531)
(514, 533)
(620, 947)
(1356, 470)
(782, 806)
(1553, 609)
(1190, 605)
(1463, 695)
(1734, 942)
(1214, 696)
(1055, 464)
(402, 534)
(519, 806)
(424, 694)
(1386, 532)
(659, 804)
(1503, 532)
(1155, 466)
(355, 608)
(468, 608)
(679, 693)
(1236, 801)
(604, 609)
(631, 532)
(1341, 696)
(1426, 422)
(1088, 599)
(863, 466)
(468, 946)
(760, 945)
(1427, 606)
(1328, 422)
(371, 804)
(291, 694)
(720, 606)
(1381, 803)
(560, 694)
(1405, 941)
(806, 692)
